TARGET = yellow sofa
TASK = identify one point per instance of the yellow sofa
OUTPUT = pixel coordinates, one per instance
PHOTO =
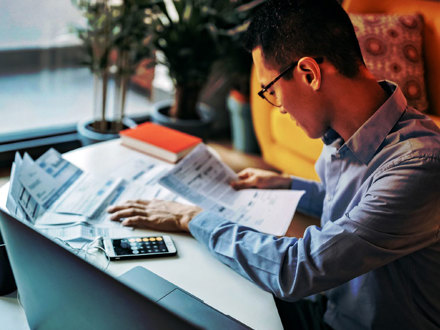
(286, 147)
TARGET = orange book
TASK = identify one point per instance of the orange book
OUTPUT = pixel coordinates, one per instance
(159, 141)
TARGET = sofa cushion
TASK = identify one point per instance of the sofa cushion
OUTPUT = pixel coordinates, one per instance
(392, 49)
(286, 133)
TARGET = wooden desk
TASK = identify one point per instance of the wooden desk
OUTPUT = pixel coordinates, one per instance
(194, 269)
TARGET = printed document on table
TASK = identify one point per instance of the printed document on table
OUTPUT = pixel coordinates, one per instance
(46, 181)
(63, 201)
(87, 196)
(204, 180)
(18, 198)
(53, 191)
(83, 232)
(141, 174)
(35, 186)
(74, 232)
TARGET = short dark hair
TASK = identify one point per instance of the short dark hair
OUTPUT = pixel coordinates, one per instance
(287, 30)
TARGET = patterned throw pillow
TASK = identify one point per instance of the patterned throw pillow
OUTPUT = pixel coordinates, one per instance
(392, 50)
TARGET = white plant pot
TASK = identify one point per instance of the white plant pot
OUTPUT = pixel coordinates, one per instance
(88, 136)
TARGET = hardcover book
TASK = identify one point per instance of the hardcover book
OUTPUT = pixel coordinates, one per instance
(159, 141)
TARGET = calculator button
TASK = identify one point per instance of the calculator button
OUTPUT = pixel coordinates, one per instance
(125, 245)
(159, 239)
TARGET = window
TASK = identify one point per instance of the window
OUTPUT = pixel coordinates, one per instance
(44, 91)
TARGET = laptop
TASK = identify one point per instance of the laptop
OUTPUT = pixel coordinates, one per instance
(59, 290)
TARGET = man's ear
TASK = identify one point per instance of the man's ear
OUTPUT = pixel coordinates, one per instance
(310, 72)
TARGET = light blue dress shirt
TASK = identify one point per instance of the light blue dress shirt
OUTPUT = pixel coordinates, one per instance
(377, 253)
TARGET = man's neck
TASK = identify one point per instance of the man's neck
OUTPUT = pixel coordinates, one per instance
(355, 101)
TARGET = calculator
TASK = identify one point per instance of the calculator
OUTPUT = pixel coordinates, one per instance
(139, 247)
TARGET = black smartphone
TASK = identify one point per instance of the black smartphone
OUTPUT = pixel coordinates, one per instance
(139, 247)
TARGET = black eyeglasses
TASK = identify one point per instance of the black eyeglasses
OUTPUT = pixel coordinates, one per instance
(270, 96)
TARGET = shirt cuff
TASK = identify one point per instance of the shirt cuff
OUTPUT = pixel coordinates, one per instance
(203, 225)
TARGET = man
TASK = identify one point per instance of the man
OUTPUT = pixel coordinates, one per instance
(377, 254)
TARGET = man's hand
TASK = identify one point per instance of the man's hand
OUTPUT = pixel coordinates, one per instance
(154, 214)
(262, 179)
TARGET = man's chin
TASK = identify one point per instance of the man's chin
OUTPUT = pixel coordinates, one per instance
(309, 134)
(299, 125)
(312, 135)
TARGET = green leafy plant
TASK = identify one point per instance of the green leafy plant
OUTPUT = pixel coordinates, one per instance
(190, 36)
(114, 35)
(237, 63)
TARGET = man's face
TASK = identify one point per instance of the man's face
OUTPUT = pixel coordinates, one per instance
(296, 96)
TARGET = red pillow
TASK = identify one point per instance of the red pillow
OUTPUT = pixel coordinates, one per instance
(392, 49)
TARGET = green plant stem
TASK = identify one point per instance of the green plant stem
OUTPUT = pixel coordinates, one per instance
(102, 122)
(121, 81)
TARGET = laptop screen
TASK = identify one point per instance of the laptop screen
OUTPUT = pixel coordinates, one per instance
(59, 290)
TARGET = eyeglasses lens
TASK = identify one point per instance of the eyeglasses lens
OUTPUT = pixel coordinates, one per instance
(271, 98)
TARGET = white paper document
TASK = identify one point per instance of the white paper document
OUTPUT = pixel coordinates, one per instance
(203, 179)
(47, 182)
(141, 180)
(35, 186)
(20, 202)
(52, 191)
(16, 192)
(83, 232)
(75, 232)
(55, 195)
(87, 196)
(65, 202)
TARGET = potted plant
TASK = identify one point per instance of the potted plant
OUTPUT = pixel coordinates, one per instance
(239, 70)
(237, 67)
(189, 36)
(114, 38)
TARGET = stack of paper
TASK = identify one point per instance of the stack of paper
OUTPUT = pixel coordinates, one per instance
(204, 180)
(64, 201)
(35, 186)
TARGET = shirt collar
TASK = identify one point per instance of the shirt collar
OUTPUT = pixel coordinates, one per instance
(330, 136)
(367, 139)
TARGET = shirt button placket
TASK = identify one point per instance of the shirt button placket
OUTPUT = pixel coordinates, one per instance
(335, 169)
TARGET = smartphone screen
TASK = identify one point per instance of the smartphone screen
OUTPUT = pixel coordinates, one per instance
(138, 247)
